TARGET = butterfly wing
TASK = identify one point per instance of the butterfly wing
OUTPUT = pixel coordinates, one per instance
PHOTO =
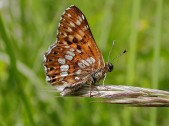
(75, 54)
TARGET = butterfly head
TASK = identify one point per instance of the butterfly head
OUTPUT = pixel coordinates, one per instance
(109, 67)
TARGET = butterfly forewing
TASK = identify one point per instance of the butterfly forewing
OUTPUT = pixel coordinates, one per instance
(75, 54)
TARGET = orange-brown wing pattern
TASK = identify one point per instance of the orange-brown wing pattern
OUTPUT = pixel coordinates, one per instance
(75, 53)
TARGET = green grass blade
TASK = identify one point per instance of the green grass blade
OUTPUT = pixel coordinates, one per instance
(156, 56)
(13, 70)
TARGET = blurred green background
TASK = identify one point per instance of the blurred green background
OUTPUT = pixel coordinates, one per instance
(28, 28)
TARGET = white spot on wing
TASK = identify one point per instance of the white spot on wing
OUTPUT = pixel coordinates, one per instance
(48, 78)
(81, 32)
(79, 51)
(68, 57)
(64, 42)
(81, 65)
(67, 46)
(64, 67)
(80, 19)
(83, 17)
(78, 36)
(69, 29)
(61, 79)
(78, 22)
(45, 69)
(78, 72)
(63, 74)
(72, 24)
(77, 78)
(89, 60)
(93, 60)
(84, 62)
(85, 28)
(72, 49)
(70, 53)
(59, 24)
(64, 33)
(70, 37)
(68, 15)
(44, 58)
(61, 60)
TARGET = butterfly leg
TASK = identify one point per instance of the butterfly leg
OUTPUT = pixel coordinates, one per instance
(92, 81)
(104, 78)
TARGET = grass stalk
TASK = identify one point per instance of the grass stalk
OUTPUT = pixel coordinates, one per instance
(132, 52)
(130, 95)
(156, 56)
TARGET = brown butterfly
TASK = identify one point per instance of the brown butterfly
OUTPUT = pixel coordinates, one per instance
(74, 59)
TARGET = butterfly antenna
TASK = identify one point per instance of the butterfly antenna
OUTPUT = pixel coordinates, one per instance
(111, 50)
(119, 55)
(108, 59)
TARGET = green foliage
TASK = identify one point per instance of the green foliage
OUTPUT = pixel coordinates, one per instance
(28, 27)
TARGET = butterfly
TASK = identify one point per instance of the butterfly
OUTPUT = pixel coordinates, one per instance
(74, 60)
